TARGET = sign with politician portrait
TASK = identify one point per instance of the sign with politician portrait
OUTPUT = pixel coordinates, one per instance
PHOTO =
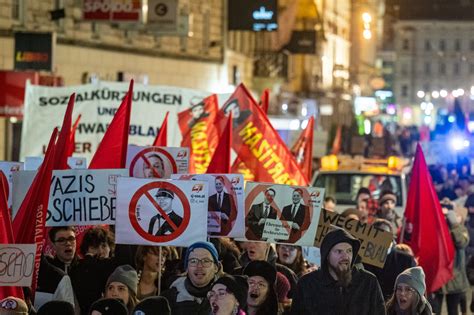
(282, 213)
(158, 212)
(225, 216)
(157, 162)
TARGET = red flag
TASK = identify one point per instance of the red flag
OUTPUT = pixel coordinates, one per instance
(430, 238)
(220, 162)
(265, 100)
(239, 167)
(72, 137)
(336, 144)
(303, 150)
(6, 234)
(29, 222)
(199, 133)
(112, 150)
(161, 137)
(257, 143)
(63, 144)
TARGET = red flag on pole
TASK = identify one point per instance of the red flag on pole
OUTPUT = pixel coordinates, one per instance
(29, 222)
(112, 150)
(265, 100)
(63, 144)
(430, 238)
(72, 137)
(220, 162)
(6, 234)
(160, 140)
(303, 150)
(336, 144)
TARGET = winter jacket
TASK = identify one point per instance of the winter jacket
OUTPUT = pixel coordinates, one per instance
(459, 283)
(185, 299)
(318, 292)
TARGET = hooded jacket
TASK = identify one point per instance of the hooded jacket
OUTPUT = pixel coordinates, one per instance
(319, 293)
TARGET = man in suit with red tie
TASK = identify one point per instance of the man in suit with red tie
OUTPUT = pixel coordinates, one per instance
(224, 204)
(255, 220)
(298, 214)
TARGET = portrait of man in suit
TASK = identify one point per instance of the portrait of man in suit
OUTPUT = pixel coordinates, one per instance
(296, 213)
(159, 225)
(255, 220)
(224, 204)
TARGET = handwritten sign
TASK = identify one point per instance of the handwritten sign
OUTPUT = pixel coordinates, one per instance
(17, 263)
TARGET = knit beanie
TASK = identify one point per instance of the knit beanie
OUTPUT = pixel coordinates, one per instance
(415, 278)
(386, 197)
(152, 305)
(237, 285)
(56, 308)
(282, 287)
(13, 306)
(207, 246)
(125, 274)
(109, 307)
(263, 269)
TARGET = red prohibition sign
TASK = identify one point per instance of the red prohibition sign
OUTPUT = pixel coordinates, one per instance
(142, 156)
(144, 191)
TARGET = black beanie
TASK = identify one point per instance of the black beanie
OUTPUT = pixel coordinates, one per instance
(109, 306)
(152, 305)
(263, 269)
(56, 308)
(237, 285)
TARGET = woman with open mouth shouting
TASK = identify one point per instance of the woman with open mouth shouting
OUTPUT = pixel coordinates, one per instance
(409, 296)
(228, 295)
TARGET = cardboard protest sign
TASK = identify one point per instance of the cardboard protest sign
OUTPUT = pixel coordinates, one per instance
(225, 216)
(83, 197)
(157, 162)
(282, 213)
(17, 262)
(374, 242)
(8, 168)
(158, 212)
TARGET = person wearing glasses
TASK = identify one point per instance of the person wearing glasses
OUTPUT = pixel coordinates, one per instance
(409, 295)
(228, 295)
(261, 297)
(188, 294)
(63, 239)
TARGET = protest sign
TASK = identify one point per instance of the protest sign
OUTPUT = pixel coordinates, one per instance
(32, 163)
(83, 197)
(282, 213)
(158, 212)
(97, 103)
(21, 183)
(225, 216)
(157, 162)
(8, 168)
(374, 242)
(17, 262)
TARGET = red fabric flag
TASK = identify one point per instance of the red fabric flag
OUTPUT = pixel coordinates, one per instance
(257, 143)
(112, 150)
(160, 140)
(336, 144)
(72, 137)
(265, 100)
(199, 133)
(29, 222)
(220, 162)
(6, 234)
(426, 228)
(303, 150)
(63, 144)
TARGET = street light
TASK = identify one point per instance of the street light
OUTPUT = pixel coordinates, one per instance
(435, 94)
(420, 94)
(367, 34)
(366, 17)
(443, 93)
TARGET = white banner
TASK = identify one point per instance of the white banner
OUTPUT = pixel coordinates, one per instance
(282, 213)
(225, 216)
(97, 103)
(17, 262)
(8, 168)
(157, 162)
(158, 212)
(32, 163)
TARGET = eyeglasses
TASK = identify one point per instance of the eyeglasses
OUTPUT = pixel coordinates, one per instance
(405, 290)
(64, 240)
(206, 263)
(259, 285)
(217, 295)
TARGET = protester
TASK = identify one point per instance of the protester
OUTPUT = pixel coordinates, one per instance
(56, 308)
(292, 257)
(387, 203)
(229, 253)
(108, 306)
(148, 266)
(187, 294)
(329, 203)
(13, 306)
(261, 297)
(228, 295)
(98, 241)
(122, 284)
(409, 295)
(282, 288)
(153, 305)
(63, 239)
(338, 287)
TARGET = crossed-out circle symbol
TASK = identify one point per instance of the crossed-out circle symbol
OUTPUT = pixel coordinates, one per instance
(142, 156)
(144, 191)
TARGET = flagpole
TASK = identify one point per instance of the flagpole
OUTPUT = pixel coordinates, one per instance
(402, 231)
(159, 270)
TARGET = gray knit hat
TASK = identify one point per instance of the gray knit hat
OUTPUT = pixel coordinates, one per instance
(125, 274)
(415, 278)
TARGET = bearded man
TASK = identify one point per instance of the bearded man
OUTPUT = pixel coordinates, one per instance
(338, 287)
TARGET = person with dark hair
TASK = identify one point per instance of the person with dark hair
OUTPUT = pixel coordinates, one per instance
(292, 257)
(228, 295)
(152, 306)
(298, 214)
(148, 263)
(63, 239)
(329, 203)
(122, 284)
(108, 306)
(387, 203)
(238, 115)
(261, 297)
(98, 241)
(160, 226)
(338, 287)
(223, 204)
(154, 166)
(258, 214)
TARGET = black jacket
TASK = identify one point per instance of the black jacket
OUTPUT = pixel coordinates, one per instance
(165, 227)
(318, 292)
